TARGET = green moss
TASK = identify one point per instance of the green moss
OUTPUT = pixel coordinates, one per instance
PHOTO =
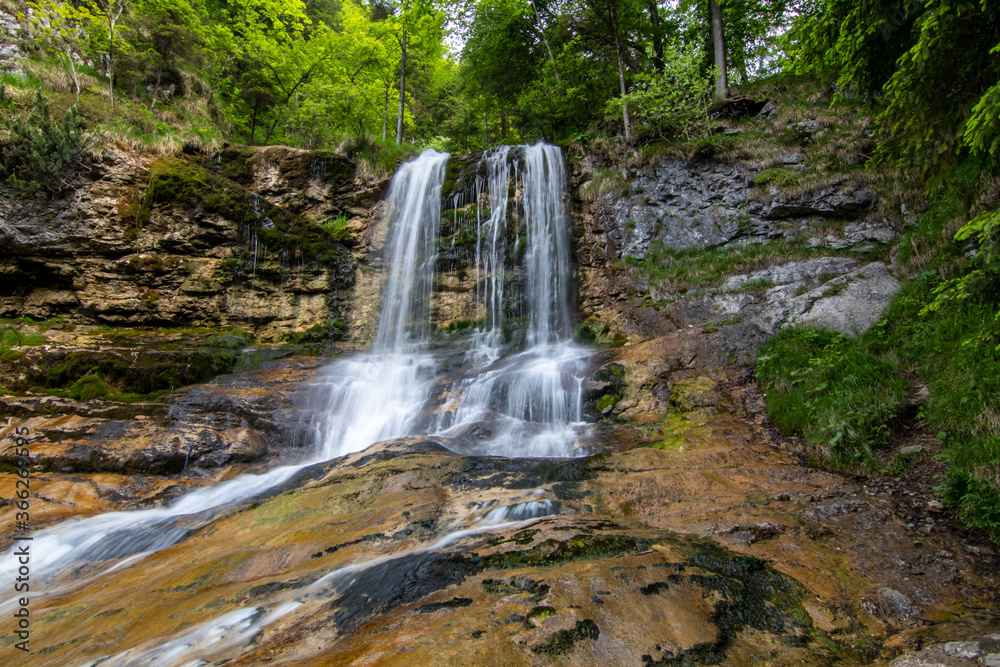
(461, 326)
(88, 387)
(594, 331)
(553, 552)
(712, 327)
(605, 402)
(179, 182)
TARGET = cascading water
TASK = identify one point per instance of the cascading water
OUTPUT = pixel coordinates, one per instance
(378, 396)
(490, 248)
(527, 404)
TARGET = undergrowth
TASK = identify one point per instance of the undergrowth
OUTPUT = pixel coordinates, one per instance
(839, 396)
(844, 396)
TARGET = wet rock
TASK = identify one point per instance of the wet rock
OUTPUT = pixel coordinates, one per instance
(896, 606)
(828, 509)
(563, 641)
(240, 419)
(749, 534)
(983, 651)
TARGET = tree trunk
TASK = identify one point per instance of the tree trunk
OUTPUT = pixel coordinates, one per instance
(253, 121)
(719, 44)
(156, 88)
(654, 20)
(385, 110)
(541, 33)
(72, 69)
(402, 90)
(486, 130)
(621, 79)
(111, 56)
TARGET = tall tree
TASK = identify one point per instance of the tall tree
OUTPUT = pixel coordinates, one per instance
(402, 88)
(719, 48)
(66, 29)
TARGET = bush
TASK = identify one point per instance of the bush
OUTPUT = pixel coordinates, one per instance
(43, 153)
(673, 102)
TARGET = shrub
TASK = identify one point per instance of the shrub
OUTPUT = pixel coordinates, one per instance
(43, 153)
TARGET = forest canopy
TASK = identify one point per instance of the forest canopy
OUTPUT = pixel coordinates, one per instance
(466, 74)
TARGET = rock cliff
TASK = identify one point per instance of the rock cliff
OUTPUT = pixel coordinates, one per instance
(240, 239)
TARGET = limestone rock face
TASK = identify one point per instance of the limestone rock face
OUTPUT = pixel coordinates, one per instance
(684, 205)
(681, 206)
(229, 241)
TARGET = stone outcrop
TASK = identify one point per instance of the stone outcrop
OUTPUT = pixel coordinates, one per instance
(233, 419)
(706, 204)
(687, 206)
(179, 241)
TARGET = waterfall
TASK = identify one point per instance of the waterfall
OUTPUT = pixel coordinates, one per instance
(548, 257)
(530, 404)
(490, 250)
(414, 218)
(526, 404)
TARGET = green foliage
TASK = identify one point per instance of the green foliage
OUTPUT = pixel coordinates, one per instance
(705, 267)
(983, 279)
(821, 384)
(950, 348)
(936, 63)
(42, 153)
(13, 335)
(673, 101)
(839, 397)
(337, 228)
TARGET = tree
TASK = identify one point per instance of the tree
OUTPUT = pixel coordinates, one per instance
(113, 11)
(936, 64)
(609, 24)
(673, 101)
(41, 152)
(719, 48)
(66, 29)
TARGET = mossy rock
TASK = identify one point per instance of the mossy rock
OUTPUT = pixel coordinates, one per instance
(594, 331)
(88, 387)
(181, 183)
(688, 395)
